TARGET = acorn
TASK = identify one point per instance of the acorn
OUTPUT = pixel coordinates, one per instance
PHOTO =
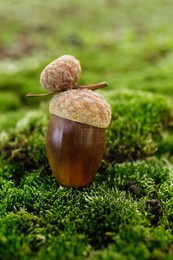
(75, 139)
(76, 135)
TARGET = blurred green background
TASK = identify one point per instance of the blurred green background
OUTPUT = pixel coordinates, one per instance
(127, 212)
(127, 43)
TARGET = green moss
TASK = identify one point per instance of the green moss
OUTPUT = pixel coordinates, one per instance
(138, 121)
(24, 146)
(157, 239)
(9, 101)
(109, 217)
(66, 246)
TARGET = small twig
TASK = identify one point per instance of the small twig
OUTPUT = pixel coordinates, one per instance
(40, 95)
(95, 86)
(91, 87)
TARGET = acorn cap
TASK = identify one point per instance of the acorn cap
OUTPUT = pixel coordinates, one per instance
(83, 106)
(61, 74)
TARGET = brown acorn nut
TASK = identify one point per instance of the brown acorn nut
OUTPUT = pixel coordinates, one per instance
(76, 135)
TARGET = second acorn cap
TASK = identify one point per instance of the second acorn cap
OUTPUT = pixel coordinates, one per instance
(61, 74)
(83, 106)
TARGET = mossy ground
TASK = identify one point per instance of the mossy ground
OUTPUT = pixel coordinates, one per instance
(127, 212)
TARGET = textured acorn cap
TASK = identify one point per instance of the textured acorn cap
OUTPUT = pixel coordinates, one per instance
(83, 106)
(61, 74)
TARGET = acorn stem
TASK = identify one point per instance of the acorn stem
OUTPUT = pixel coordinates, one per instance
(40, 95)
(91, 87)
(95, 86)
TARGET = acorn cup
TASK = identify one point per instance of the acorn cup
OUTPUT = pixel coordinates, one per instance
(75, 139)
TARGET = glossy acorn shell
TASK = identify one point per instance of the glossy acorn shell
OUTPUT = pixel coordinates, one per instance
(74, 151)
